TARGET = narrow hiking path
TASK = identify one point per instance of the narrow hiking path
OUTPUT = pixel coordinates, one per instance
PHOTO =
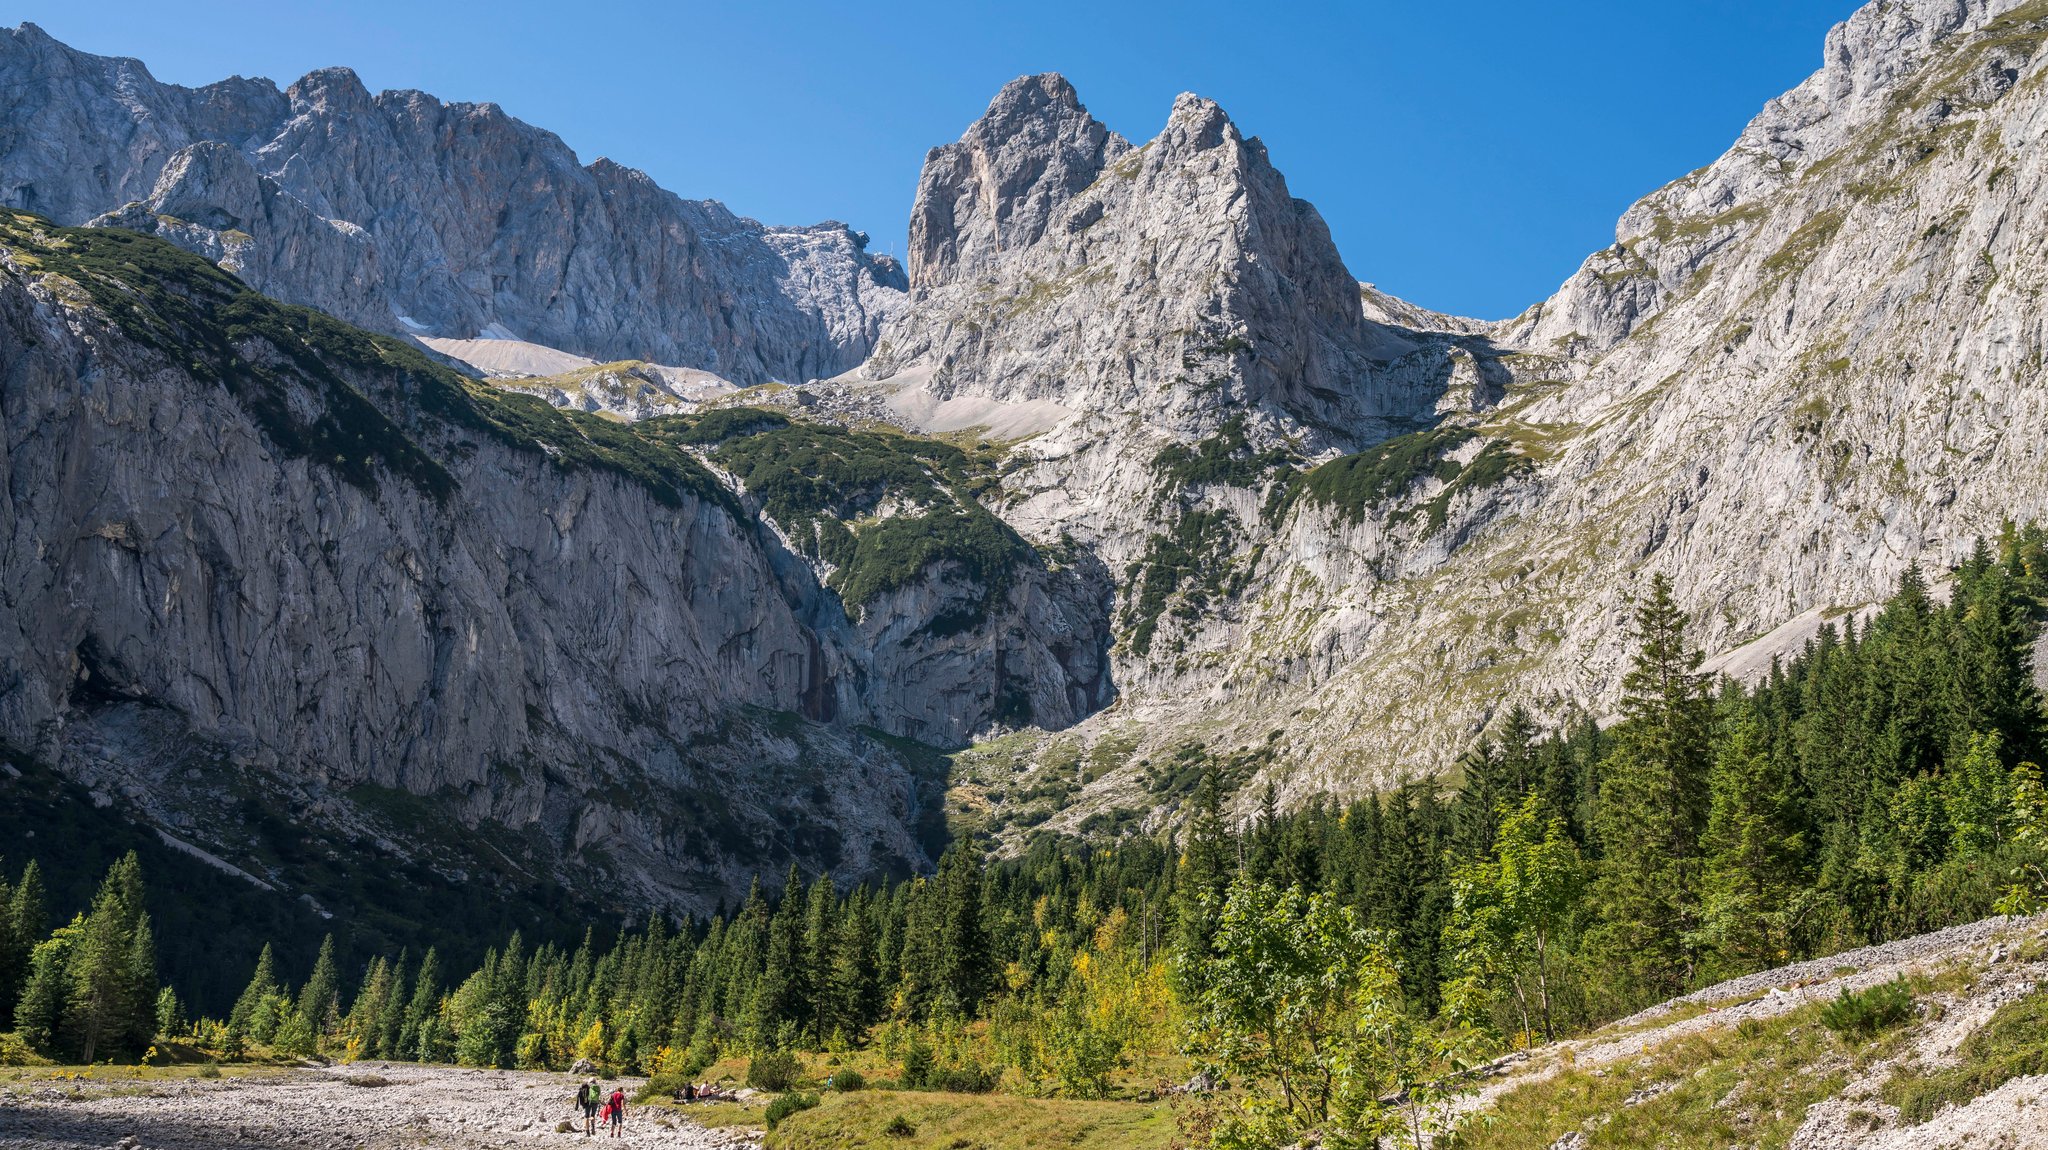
(1981, 966)
(330, 1108)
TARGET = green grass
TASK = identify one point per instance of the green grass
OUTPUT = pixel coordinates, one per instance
(1803, 244)
(972, 1122)
(1747, 1085)
(2013, 1043)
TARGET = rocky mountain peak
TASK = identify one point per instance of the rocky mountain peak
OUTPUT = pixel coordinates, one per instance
(1000, 185)
(329, 91)
(412, 216)
(1196, 124)
(1179, 282)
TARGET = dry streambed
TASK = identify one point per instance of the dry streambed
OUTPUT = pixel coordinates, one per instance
(323, 1109)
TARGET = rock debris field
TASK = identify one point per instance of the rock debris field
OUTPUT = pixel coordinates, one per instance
(323, 1108)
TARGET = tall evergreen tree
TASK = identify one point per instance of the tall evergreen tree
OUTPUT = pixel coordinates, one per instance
(1653, 804)
(1756, 846)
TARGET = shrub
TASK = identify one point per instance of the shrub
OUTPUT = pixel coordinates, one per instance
(787, 1105)
(849, 1080)
(210, 1070)
(900, 1127)
(1868, 1013)
(15, 1052)
(962, 1080)
(775, 1071)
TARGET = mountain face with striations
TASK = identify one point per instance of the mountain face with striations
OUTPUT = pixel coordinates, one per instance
(1135, 476)
(404, 214)
(1797, 371)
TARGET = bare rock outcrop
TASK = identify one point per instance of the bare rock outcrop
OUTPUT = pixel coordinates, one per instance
(479, 222)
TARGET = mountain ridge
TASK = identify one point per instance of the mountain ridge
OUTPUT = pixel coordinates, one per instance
(478, 220)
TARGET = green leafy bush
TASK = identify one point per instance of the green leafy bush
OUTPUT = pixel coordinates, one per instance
(1867, 1013)
(775, 1071)
(849, 1080)
(900, 1127)
(787, 1105)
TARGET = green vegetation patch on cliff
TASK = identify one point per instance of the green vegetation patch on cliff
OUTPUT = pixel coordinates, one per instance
(1226, 459)
(878, 506)
(1355, 484)
(211, 325)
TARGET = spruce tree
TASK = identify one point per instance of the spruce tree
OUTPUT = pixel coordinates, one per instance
(1756, 845)
(262, 986)
(14, 948)
(1652, 808)
(41, 1010)
(318, 999)
(1204, 878)
(111, 997)
(141, 987)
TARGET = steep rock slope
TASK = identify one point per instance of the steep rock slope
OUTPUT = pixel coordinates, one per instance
(1798, 370)
(249, 552)
(478, 222)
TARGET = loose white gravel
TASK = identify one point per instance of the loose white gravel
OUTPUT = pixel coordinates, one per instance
(2013, 1117)
(319, 1109)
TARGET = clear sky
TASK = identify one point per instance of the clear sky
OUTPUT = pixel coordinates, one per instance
(1466, 154)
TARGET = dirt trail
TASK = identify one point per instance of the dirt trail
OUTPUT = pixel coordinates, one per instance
(2013, 1117)
(443, 1107)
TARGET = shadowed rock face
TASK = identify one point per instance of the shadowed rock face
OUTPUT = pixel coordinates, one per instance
(478, 221)
(224, 569)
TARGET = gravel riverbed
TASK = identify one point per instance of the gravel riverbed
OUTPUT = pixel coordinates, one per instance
(332, 1108)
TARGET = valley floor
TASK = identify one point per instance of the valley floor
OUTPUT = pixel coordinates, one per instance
(324, 1109)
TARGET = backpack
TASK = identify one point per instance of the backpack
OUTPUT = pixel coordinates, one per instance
(583, 1095)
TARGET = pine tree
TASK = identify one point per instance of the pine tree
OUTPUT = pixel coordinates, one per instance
(854, 981)
(111, 998)
(390, 1023)
(1204, 880)
(262, 986)
(41, 1010)
(23, 923)
(426, 998)
(1652, 809)
(14, 948)
(170, 1013)
(965, 971)
(319, 998)
(1756, 845)
(819, 938)
(141, 986)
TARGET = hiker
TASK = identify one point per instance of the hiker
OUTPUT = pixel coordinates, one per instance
(689, 1092)
(615, 1112)
(588, 1096)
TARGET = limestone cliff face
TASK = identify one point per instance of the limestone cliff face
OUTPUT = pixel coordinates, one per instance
(1798, 370)
(245, 546)
(480, 223)
(1176, 283)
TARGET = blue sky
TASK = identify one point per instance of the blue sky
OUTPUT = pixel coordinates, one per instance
(1466, 155)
